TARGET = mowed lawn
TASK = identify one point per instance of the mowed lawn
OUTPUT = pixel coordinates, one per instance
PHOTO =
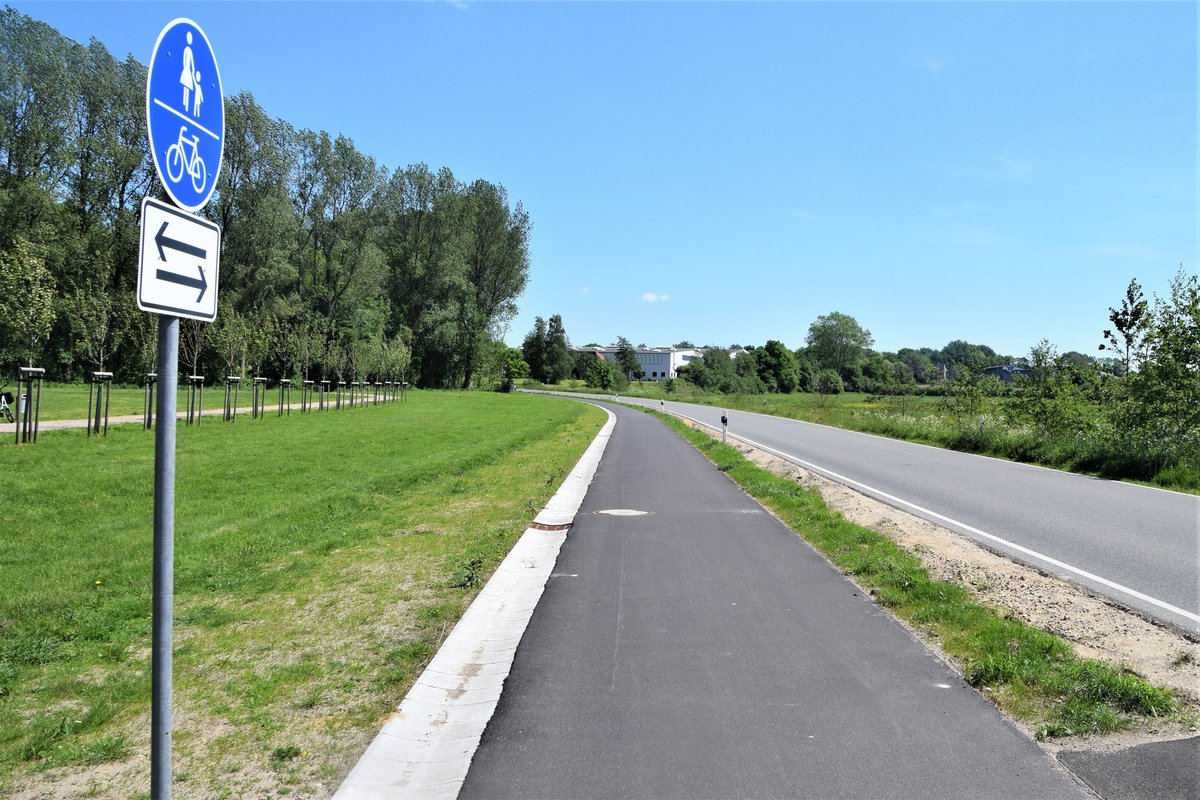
(320, 559)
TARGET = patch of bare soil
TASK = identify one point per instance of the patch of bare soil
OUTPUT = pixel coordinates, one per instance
(1093, 626)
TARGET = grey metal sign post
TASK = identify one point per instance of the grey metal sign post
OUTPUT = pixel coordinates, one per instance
(162, 723)
(178, 267)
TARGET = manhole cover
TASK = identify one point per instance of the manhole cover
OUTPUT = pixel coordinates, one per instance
(623, 512)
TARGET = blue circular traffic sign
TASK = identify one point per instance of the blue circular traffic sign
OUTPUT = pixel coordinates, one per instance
(185, 114)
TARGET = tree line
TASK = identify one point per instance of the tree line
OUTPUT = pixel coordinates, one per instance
(331, 265)
(1132, 410)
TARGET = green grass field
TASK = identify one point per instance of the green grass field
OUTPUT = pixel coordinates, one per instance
(320, 558)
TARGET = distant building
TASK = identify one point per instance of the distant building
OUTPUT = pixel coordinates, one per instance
(1007, 373)
(657, 363)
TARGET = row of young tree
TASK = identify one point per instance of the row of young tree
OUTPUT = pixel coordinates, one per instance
(330, 266)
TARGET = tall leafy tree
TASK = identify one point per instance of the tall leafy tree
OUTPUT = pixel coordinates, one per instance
(919, 364)
(254, 211)
(26, 300)
(37, 91)
(513, 369)
(836, 341)
(778, 368)
(963, 352)
(340, 264)
(96, 316)
(1129, 336)
(558, 361)
(1165, 391)
(533, 349)
(230, 335)
(422, 238)
(627, 360)
(497, 269)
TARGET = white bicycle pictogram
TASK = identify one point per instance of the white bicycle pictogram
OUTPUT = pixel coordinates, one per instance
(178, 163)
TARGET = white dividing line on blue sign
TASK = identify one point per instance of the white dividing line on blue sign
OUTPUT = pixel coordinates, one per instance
(193, 123)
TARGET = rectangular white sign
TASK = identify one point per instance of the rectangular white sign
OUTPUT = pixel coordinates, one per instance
(178, 263)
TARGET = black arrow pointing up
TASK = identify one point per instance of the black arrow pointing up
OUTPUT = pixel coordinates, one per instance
(162, 240)
(183, 280)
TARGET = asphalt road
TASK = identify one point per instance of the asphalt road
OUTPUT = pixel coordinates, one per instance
(699, 649)
(1138, 546)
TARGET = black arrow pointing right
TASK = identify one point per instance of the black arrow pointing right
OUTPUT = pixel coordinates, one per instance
(162, 240)
(183, 280)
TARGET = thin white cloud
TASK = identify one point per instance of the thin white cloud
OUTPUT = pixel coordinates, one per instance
(651, 297)
(1003, 166)
(965, 236)
(931, 63)
(1122, 252)
(585, 290)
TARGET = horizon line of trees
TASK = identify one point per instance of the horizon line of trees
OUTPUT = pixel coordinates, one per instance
(330, 265)
(1133, 412)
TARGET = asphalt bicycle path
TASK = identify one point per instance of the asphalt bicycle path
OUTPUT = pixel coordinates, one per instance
(688, 645)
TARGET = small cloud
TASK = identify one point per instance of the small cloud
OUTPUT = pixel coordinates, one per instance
(931, 63)
(1122, 252)
(965, 236)
(651, 297)
(585, 290)
(1004, 166)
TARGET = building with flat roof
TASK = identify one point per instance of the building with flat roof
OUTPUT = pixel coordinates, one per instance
(657, 363)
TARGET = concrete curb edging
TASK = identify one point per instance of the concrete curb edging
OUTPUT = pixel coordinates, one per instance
(425, 748)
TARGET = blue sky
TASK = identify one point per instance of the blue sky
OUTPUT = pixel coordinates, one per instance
(726, 172)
